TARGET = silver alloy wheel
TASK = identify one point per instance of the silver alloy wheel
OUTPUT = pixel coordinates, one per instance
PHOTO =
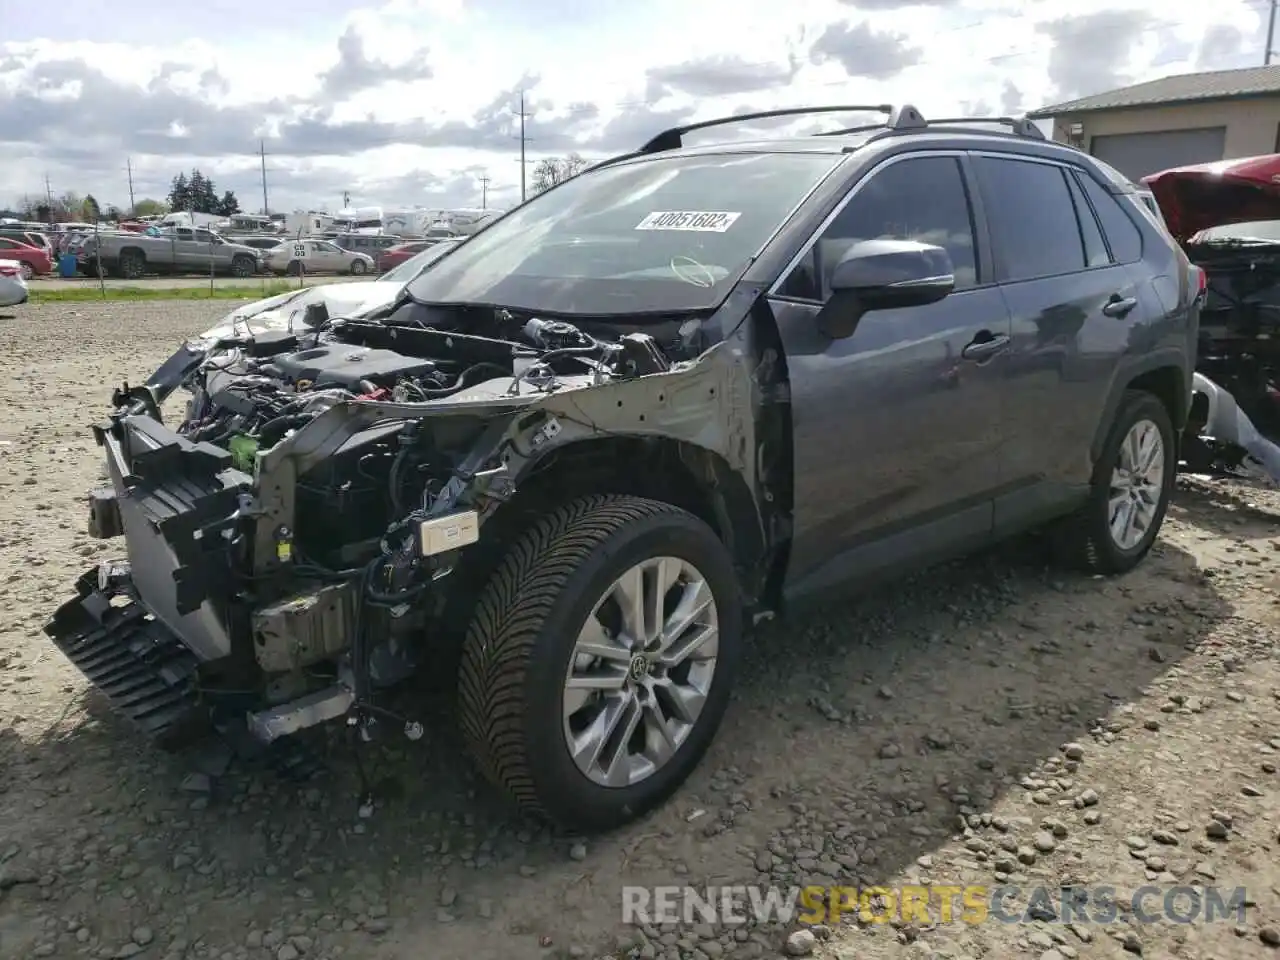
(1137, 483)
(640, 672)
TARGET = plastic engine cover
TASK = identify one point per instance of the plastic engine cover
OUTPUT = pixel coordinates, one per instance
(345, 366)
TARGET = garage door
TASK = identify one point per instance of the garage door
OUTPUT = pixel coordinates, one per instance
(1138, 154)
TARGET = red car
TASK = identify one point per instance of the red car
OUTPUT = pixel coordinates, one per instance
(394, 256)
(35, 262)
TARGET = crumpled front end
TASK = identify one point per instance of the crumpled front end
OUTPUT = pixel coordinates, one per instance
(287, 543)
(142, 625)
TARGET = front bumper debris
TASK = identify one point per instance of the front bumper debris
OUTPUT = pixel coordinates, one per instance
(145, 671)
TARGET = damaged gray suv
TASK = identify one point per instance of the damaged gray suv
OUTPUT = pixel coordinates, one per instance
(590, 446)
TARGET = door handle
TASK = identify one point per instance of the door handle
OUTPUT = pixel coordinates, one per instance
(984, 346)
(1119, 306)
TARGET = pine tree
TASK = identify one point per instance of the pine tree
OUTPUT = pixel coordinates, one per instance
(179, 193)
(229, 205)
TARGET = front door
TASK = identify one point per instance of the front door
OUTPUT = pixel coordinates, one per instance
(897, 429)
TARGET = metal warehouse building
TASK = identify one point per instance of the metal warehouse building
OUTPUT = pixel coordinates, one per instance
(1175, 121)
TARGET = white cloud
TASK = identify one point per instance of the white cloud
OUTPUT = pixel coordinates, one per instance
(412, 100)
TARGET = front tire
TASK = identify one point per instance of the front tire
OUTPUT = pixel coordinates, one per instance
(551, 659)
(1132, 484)
(358, 268)
(27, 271)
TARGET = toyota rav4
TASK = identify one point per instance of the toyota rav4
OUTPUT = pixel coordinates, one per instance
(592, 445)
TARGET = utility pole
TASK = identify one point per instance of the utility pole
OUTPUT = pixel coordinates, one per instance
(346, 199)
(48, 191)
(524, 139)
(1271, 33)
(128, 165)
(262, 152)
(484, 192)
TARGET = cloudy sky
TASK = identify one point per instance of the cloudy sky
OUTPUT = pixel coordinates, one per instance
(414, 101)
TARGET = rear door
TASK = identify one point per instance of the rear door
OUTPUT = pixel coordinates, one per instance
(896, 434)
(182, 246)
(1072, 304)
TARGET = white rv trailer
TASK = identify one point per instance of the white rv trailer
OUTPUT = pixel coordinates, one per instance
(460, 222)
(366, 220)
(309, 224)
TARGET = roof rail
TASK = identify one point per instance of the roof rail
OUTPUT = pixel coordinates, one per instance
(1021, 126)
(905, 117)
(673, 139)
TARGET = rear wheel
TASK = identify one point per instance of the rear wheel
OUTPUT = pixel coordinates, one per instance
(1132, 484)
(132, 264)
(598, 664)
(294, 268)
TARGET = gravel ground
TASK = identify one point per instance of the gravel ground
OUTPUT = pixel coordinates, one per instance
(988, 722)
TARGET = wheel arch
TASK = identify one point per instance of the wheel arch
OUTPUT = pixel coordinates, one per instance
(677, 472)
(1164, 376)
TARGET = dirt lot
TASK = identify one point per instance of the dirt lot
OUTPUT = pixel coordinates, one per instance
(990, 722)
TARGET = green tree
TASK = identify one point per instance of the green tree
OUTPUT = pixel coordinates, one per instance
(179, 193)
(228, 206)
(552, 170)
(146, 207)
(89, 209)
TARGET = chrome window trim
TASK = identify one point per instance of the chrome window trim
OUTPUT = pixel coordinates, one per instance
(845, 201)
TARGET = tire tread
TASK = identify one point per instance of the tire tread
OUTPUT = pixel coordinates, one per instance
(501, 638)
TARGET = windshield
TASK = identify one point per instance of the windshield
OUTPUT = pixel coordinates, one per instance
(414, 265)
(664, 235)
(1253, 230)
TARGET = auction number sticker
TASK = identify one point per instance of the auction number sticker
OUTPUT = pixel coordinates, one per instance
(699, 221)
(299, 250)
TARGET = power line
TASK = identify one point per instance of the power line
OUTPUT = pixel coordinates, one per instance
(262, 152)
(524, 139)
(1271, 33)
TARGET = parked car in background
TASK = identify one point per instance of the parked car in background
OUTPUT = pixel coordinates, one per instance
(31, 238)
(35, 261)
(13, 285)
(394, 256)
(316, 256)
(261, 243)
(372, 245)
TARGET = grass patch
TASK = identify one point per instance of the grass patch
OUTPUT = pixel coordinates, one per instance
(90, 293)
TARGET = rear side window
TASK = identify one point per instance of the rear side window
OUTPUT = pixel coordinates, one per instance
(1033, 221)
(1095, 248)
(1123, 235)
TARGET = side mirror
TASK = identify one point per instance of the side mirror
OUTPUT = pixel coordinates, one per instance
(884, 275)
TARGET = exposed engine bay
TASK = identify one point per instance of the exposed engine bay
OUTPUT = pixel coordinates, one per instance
(293, 527)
